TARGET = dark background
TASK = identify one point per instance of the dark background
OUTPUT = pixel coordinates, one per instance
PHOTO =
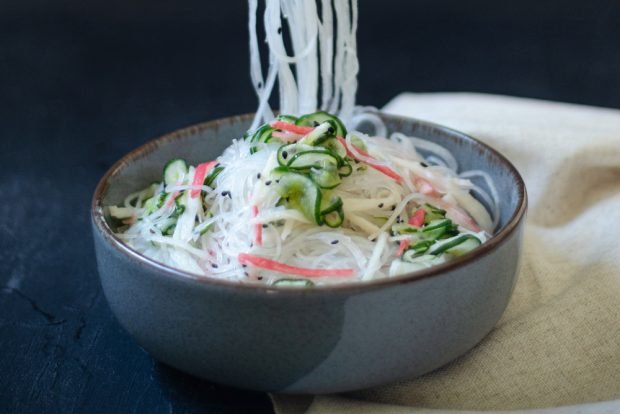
(83, 82)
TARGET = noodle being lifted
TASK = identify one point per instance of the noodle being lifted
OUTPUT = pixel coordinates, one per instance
(299, 199)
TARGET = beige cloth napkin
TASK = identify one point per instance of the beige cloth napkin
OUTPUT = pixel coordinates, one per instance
(558, 343)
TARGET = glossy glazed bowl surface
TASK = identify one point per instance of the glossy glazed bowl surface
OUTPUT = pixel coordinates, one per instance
(319, 340)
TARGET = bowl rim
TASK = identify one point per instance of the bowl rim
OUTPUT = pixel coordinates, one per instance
(497, 239)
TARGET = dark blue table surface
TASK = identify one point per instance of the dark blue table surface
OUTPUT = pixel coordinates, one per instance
(82, 83)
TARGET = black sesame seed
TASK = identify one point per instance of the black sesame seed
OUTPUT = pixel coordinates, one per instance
(381, 205)
(268, 182)
(393, 207)
(284, 154)
(246, 273)
(277, 181)
(334, 241)
(330, 130)
(279, 30)
(214, 265)
(315, 124)
(258, 176)
(423, 164)
(259, 85)
(265, 226)
(244, 265)
(260, 278)
(226, 193)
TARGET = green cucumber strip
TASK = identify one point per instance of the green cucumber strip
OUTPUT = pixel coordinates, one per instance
(433, 213)
(320, 134)
(334, 204)
(299, 192)
(174, 170)
(332, 212)
(262, 134)
(288, 152)
(422, 246)
(316, 158)
(213, 175)
(334, 219)
(287, 118)
(336, 147)
(436, 224)
(319, 118)
(345, 170)
(179, 205)
(326, 177)
(457, 245)
(155, 203)
(404, 228)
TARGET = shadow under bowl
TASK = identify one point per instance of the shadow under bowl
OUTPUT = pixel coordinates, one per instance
(320, 340)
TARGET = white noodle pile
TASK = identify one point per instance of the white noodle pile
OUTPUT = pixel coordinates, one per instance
(287, 235)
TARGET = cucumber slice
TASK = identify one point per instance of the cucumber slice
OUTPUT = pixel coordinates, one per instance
(404, 228)
(334, 219)
(174, 170)
(422, 246)
(286, 153)
(433, 213)
(336, 147)
(326, 177)
(287, 118)
(320, 134)
(456, 246)
(213, 175)
(179, 205)
(439, 228)
(154, 203)
(299, 192)
(320, 117)
(262, 134)
(312, 159)
(334, 204)
(345, 170)
(294, 282)
(332, 213)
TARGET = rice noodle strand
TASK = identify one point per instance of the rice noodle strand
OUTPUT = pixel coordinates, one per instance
(324, 53)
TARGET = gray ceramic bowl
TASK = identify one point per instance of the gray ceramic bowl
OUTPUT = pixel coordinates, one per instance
(318, 340)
